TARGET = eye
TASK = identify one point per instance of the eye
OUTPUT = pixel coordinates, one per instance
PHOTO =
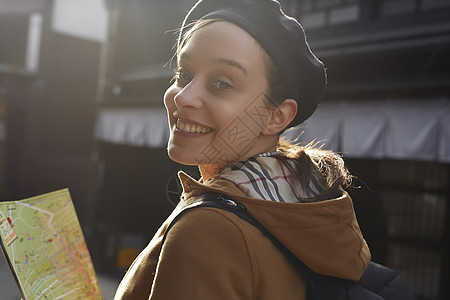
(182, 77)
(222, 85)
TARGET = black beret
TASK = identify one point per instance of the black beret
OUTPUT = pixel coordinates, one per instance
(281, 36)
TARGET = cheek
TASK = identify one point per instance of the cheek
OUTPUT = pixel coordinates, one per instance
(237, 132)
(247, 119)
(225, 117)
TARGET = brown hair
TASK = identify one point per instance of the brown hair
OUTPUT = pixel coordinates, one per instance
(313, 163)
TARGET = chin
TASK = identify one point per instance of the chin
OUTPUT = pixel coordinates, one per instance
(180, 156)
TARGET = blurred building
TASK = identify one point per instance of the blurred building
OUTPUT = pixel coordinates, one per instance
(387, 110)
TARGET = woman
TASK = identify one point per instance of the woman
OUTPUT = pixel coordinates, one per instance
(245, 73)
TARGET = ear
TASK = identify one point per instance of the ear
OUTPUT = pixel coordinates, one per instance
(280, 117)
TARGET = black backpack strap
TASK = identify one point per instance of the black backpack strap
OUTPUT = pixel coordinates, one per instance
(222, 202)
(378, 282)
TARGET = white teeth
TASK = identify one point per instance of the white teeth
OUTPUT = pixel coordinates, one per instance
(180, 125)
(192, 128)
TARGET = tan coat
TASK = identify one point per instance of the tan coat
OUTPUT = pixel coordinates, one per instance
(213, 254)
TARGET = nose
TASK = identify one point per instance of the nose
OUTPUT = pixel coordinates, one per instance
(189, 96)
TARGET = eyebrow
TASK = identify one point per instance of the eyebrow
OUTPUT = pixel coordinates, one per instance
(230, 62)
(222, 61)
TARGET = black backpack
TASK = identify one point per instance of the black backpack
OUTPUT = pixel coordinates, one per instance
(378, 282)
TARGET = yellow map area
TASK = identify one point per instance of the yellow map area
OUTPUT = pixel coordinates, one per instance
(49, 255)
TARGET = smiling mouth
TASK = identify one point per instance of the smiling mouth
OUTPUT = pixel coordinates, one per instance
(192, 128)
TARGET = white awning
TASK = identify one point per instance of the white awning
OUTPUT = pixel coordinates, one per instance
(133, 126)
(395, 129)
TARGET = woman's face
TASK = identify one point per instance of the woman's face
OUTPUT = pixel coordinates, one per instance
(217, 106)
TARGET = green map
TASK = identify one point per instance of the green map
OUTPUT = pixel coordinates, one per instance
(46, 249)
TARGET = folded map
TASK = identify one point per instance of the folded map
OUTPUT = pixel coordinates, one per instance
(44, 246)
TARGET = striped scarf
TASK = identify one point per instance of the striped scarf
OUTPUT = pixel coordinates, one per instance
(269, 179)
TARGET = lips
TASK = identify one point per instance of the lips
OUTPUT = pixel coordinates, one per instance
(192, 128)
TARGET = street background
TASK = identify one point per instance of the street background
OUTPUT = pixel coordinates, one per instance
(81, 86)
